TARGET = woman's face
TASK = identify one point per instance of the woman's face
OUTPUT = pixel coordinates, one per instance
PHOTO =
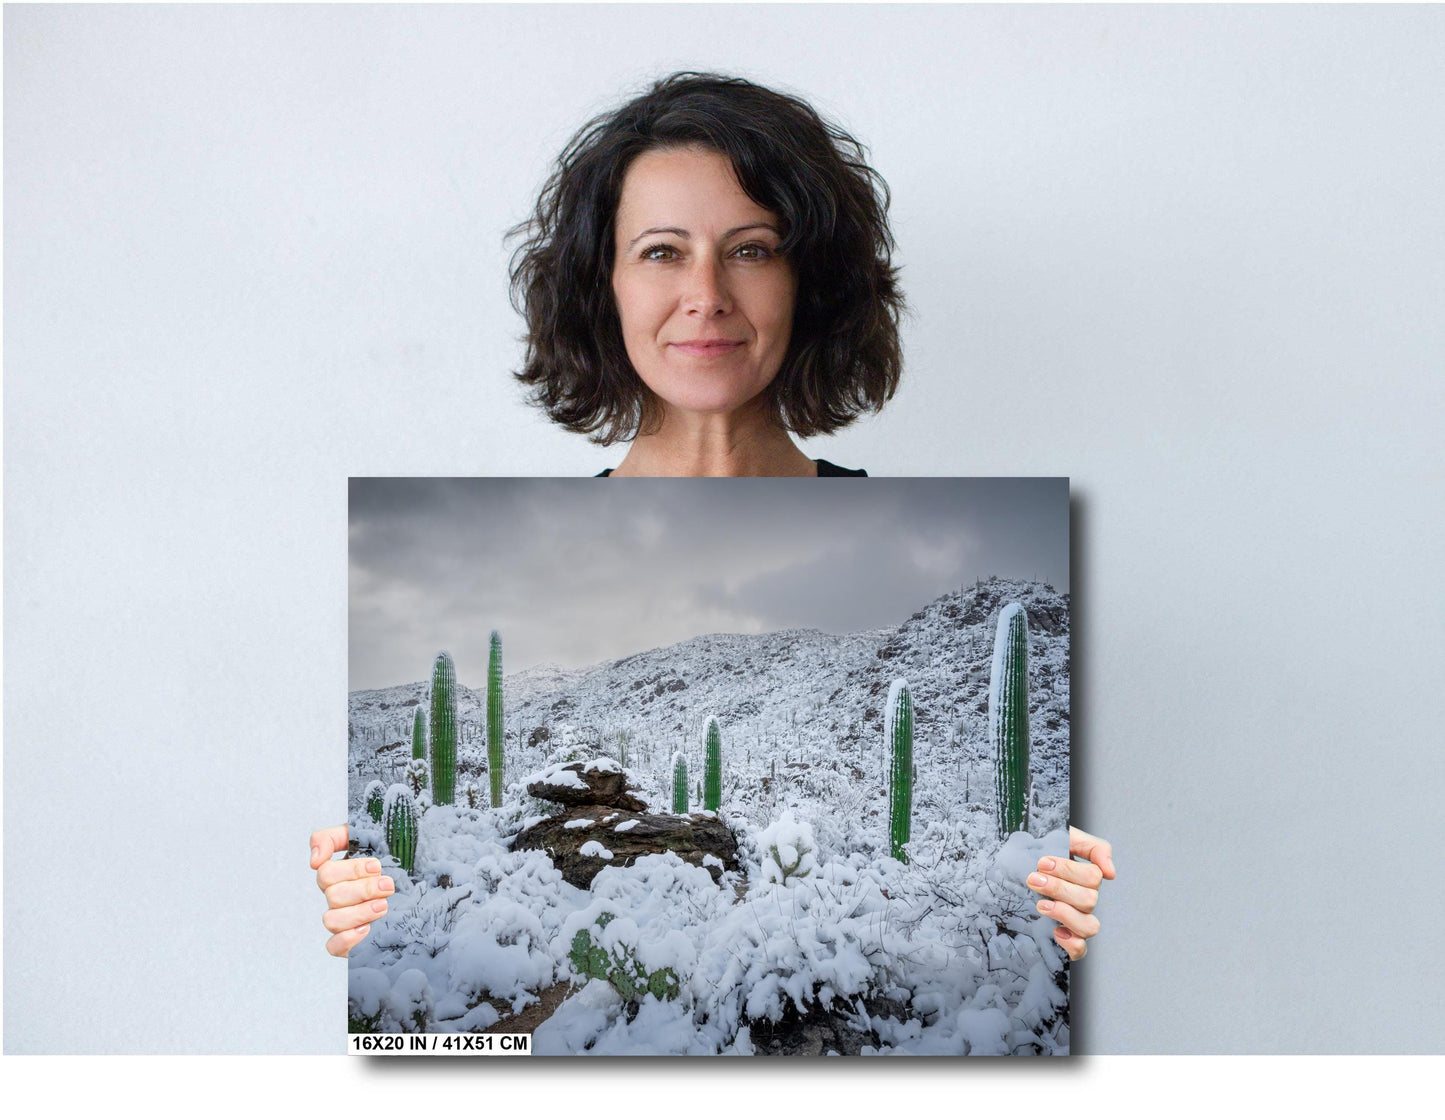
(705, 300)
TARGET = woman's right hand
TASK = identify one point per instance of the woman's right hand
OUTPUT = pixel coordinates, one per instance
(355, 889)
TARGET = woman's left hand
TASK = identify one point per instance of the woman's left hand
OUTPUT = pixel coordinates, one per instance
(1071, 889)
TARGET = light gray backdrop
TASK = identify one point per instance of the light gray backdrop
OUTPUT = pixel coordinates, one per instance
(1193, 258)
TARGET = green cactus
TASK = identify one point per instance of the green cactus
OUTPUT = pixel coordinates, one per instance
(712, 772)
(679, 783)
(1008, 719)
(622, 748)
(442, 730)
(620, 968)
(399, 824)
(898, 741)
(375, 799)
(418, 734)
(494, 719)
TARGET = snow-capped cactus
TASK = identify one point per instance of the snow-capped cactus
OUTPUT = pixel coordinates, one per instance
(375, 800)
(494, 719)
(1008, 719)
(712, 771)
(442, 729)
(399, 817)
(622, 748)
(898, 742)
(418, 734)
(679, 783)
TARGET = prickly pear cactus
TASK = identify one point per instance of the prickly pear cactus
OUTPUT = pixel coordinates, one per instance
(898, 742)
(679, 783)
(399, 821)
(442, 729)
(494, 719)
(1008, 719)
(375, 800)
(712, 772)
(418, 734)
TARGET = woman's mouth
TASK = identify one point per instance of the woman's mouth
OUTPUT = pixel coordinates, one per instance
(707, 348)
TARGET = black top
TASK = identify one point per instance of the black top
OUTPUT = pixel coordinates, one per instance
(825, 470)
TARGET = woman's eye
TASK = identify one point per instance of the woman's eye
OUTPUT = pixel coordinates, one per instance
(659, 253)
(754, 251)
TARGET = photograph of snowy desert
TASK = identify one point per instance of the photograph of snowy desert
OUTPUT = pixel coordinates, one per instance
(711, 766)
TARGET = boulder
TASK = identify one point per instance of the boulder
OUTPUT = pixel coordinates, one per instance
(585, 839)
(599, 782)
(604, 825)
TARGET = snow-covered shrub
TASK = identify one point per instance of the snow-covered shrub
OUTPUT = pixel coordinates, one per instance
(417, 776)
(500, 949)
(786, 850)
(367, 989)
(410, 1001)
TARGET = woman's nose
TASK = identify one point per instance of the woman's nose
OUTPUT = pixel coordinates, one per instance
(707, 290)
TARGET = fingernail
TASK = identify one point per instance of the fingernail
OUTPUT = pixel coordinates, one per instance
(373, 866)
(361, 930)
(1046, 904)
(379, 906)
(315, 852)
(1037, 881)
(1062, 934)
(1047, 863)
(387, 884)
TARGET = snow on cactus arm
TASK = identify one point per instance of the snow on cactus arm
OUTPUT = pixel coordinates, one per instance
(494, 719)
(442, 730)
(898, 742)
(1008, 719)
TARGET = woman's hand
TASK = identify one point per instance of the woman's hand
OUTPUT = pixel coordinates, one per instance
(355, 890)
(1071, 889)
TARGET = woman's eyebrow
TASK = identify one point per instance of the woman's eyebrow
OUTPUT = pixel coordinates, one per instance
(687, 236)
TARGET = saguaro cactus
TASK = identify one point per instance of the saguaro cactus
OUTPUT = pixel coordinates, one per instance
(442, 729)
(712, 771)
(418, 734)
(494, 719)
(679, 783)
(399, 819)
(1008, 719)
(898, 742)
(375, 800)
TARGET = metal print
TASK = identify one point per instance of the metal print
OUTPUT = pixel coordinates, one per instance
(710, 766)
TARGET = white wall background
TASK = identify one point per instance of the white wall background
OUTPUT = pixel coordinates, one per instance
(1193, 258)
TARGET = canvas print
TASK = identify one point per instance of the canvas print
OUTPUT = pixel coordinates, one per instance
(711, 766)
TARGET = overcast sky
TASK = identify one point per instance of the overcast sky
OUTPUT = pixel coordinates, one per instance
(576, 571)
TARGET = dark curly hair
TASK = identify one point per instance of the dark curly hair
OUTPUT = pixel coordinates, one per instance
(844, 355)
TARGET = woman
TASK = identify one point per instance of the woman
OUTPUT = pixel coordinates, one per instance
(707, 274)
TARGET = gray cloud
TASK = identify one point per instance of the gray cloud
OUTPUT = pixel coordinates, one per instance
(575, 571)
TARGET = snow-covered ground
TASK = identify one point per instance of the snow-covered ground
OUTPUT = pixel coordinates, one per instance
(944, 954)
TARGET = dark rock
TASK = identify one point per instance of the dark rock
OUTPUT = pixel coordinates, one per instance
(691, 837)
(603, 788)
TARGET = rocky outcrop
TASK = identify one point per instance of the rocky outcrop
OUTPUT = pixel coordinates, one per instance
(603, 824)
